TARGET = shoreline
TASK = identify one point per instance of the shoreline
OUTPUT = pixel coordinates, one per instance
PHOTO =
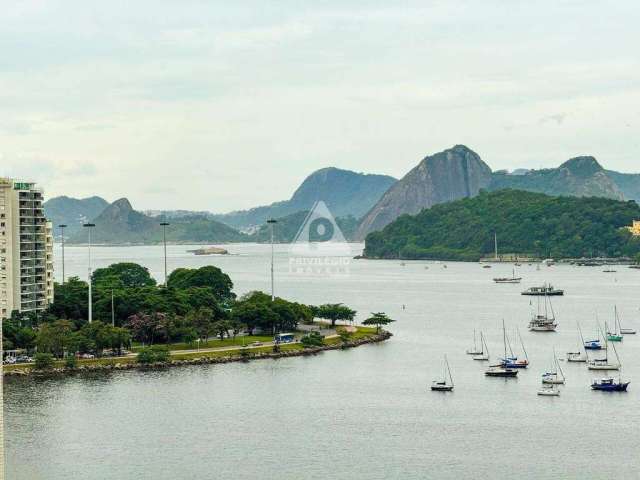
(232, 356)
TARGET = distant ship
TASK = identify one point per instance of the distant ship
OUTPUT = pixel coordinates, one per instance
(209, 251)
(547, 290)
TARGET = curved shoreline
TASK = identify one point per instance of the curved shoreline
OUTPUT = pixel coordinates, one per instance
(204, 360)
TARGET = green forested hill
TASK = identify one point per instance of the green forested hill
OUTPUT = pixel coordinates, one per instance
(525, 222)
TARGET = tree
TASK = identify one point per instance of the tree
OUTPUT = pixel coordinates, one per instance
(313, 339)
(43, 361)
(144, 326)
(335, 312)
(202, 321)
(206, 277)
(54, 337)
(378, 319)
(221, 328)
(71, 300)
(122, 275)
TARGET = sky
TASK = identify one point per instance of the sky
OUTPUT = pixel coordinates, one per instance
(218, 105)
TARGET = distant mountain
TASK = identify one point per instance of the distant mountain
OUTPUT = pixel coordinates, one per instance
(287, 228)
(73, 212)
(460, 173)
(119, 223)
(578, 177)
(345, 193)
(455, 173)
(526, 223)
(628, 183)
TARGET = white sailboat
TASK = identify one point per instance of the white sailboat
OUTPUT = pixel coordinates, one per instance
(474, 350)
(556, 375)
(444, 385)
(603, 363)
(578, 356)
(549, 391)
(542, 321)
(484, 354)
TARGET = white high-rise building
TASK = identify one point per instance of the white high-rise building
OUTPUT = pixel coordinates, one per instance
(26, 249)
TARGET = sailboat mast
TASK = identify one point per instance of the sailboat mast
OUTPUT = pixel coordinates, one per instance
(584, 347)
(522, 344)
(495, 239)
(448, 369)
(504, 339)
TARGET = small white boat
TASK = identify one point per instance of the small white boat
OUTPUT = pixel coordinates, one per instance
(603, 363)
(627, 331)
(549, 391)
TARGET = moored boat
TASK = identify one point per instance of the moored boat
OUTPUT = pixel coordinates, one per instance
(444, 385)
(609, 385)
(544, 290)
(474, 350)
(545, 319)
(549, 391)
(556, 375)
(484, 354)
(501, 370)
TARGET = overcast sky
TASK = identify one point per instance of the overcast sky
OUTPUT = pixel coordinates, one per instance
(221, 105)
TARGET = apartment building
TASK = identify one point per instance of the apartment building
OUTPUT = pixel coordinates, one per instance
(26, 249)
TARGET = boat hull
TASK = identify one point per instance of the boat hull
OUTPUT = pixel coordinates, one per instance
(501, 373)
(439, 387)
(542, 393)
(604, 367)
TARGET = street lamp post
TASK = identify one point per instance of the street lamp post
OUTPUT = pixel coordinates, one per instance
(272, 223)
(89, 226)
(62, 227)
(164, 240)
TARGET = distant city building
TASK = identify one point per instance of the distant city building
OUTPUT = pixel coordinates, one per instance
(635, 228)
(26, 249)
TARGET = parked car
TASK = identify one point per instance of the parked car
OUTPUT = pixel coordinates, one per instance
(256, 344)
(9, 360)
(24, 359)
(87, 356)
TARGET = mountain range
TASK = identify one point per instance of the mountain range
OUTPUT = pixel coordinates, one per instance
(459, 172)
(345, 193)
(362, 203)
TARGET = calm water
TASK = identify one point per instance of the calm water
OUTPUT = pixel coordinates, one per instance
(363, 413)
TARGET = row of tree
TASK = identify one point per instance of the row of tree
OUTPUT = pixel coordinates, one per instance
(129, 306)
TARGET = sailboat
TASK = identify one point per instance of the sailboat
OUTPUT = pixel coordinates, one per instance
(577, 356)
(616, 335)
(542, 321)
(556, 375)
(502, 371)
(596, 344)
(609, 384)
(474, 350)
(603, 363)
(511, 279)
(549, 391)
(444, 385)
(513, 361)
(484, 354)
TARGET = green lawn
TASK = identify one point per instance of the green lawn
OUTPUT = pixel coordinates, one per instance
(215, 343)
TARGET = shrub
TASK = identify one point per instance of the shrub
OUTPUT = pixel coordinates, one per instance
(156, 353)
(313, 339)
(70, 362)
(44, 361)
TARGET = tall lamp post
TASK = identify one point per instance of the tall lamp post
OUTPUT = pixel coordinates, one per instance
(62, 227)
(89, 226)
(164, 240)
(272, 223)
